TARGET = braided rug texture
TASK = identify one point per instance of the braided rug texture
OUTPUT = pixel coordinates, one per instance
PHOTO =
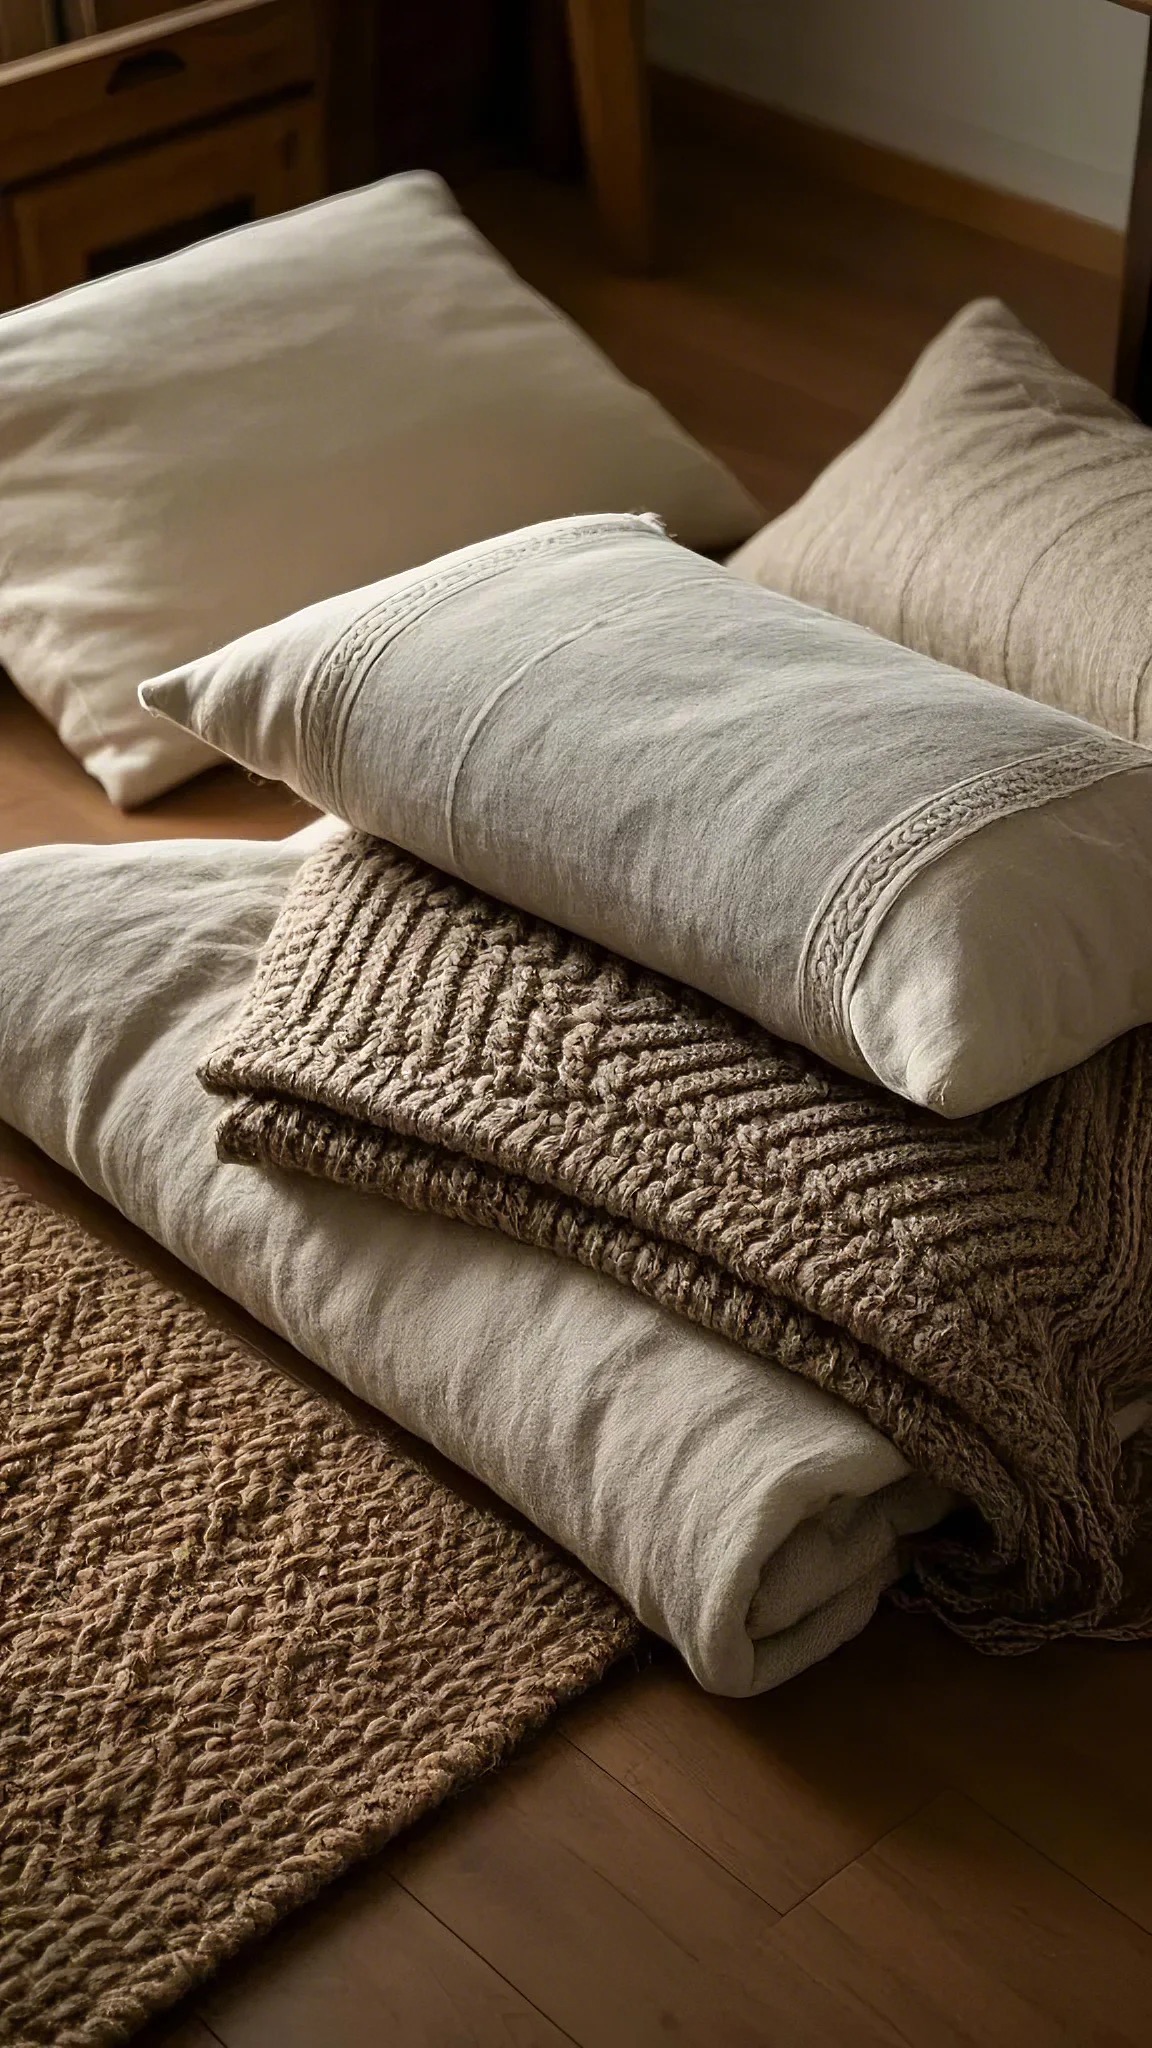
(243, 1640)
(981, 1290)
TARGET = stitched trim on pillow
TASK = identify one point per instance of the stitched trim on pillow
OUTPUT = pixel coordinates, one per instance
(323, 732)
(870, 884)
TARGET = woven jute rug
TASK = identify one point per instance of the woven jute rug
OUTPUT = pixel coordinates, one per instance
(243, 1640)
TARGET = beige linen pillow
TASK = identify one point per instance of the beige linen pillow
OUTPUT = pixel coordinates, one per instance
(998, 516)
(194, 447)
(921, 877)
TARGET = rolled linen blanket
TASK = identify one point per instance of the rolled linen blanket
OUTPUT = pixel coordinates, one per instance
(980, 1291)
(745, 1515)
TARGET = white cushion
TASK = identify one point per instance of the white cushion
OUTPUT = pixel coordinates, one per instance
(194, 447)
(744, 1513)
(922, 877)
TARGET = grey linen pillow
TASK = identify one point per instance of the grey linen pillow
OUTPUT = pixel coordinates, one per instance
(918, 876)
(997, 515)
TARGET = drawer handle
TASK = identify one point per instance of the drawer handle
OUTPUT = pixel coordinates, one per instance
(145, 68)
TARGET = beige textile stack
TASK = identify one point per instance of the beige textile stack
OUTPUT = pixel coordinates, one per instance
(980, 1290)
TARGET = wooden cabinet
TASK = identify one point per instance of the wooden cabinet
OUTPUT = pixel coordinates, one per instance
(130, 145)
(88, 222)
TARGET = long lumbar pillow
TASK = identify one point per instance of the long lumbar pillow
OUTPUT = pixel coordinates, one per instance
(997, 515)
(917, 875)
(196, 446)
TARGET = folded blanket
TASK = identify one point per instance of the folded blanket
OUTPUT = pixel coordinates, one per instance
(743, 1513)
(981, 1291)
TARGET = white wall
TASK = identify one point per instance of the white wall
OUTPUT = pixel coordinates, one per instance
(1036, 96)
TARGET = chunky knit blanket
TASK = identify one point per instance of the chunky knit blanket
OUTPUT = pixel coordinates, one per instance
(981, 1290)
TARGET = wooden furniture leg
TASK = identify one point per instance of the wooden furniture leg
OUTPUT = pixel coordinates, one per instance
(607, 39)
(1133, 378)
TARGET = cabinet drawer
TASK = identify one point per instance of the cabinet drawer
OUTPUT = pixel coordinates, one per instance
(108, 216)
(98, 94)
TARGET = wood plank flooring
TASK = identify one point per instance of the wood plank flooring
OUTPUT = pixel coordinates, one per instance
(910, 1844)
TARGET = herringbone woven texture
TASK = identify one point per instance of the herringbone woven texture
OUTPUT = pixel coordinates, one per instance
(242, 1640)
(982, 1291)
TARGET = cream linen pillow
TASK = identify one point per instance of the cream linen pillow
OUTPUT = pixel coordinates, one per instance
(192, 448)
(919, 876)
(998, 515)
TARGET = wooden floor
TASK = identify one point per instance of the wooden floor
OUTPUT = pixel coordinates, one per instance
(910, 1844)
